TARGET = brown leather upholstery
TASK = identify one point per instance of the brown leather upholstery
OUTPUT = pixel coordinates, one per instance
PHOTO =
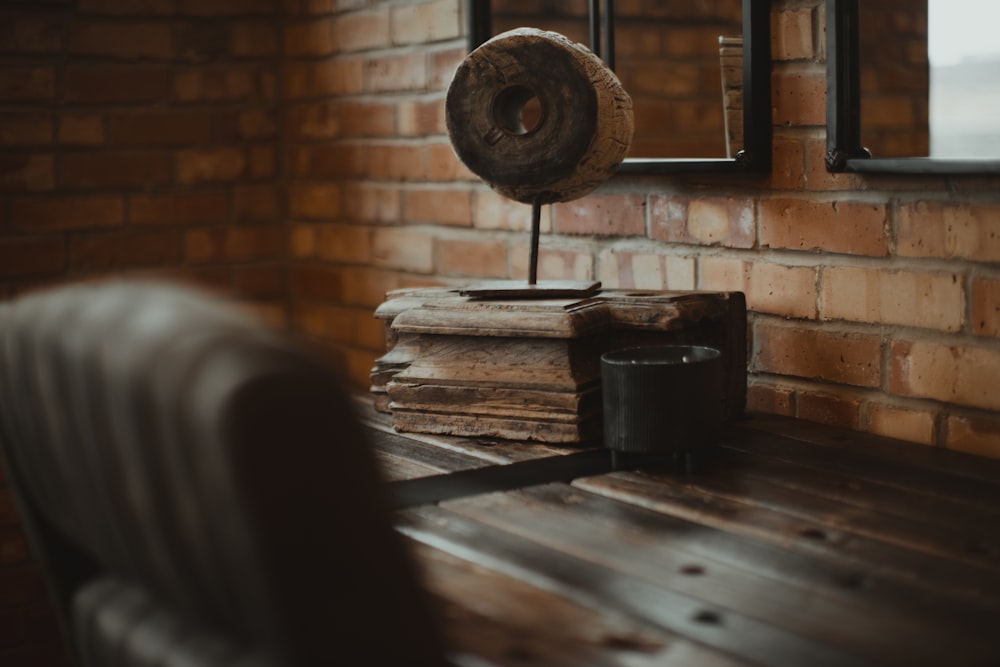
(193, 482)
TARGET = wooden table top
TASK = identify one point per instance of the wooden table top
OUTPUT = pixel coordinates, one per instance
(795, 544)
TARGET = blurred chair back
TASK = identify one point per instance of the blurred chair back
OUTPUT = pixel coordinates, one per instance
(197, 488)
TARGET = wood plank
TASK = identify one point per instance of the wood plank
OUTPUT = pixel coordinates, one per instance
(668, 552)
(454, 452)
(935, 459)
(507, 621)
(798, 526)
(864, 492)
(872, 464)
(595, 586)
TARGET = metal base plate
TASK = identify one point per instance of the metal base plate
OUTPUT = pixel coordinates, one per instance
(520, 289)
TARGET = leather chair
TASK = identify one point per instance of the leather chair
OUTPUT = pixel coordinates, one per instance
(197, 489)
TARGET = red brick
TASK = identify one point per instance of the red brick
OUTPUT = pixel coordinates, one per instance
(494, 211)
(364, 30)
(853, 359)
(26, 83)
(443, 165)
(975, 434)
(723, 274)
(953, 373)
(781, 290)
(319, 120)
(126, 7)
(316, 7)
(792, 34)
(117, 84)
(425, 22)
(214, 8)
(258, 202)
(366, 287)
(314, 38)
(201, 41)
(366, 202)
(82, 212)
(161, 127)
(347, 244)
(234, 244)
(908, 298)
(31, 35)
(367, 119)
(902, 423)
(232, 83)
(125, 250)
(851, 227)
(404, 249)
(799, 96)
(235, 125)
(832, 409)
(26, 172)
(475, 258)
(260, 282)
(25, 129)
(442, 67)
(420, 118)
(211, 165)
(602, 215)
(645, 270)
(262, 161)
(788, 170)
(253, 40)
(444, 207)
(126, 40)
(31, 257)
(316, 284)
(986, 307)
(770, 399)
(121, 169)
(818, 177)
(81, 129)
(342, 76)
(315, 201)
(726, 221)
(396, 73)
(396, 162)
(949, 230)
(178, 209)
(559, 263)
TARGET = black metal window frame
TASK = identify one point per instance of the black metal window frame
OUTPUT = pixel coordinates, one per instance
(845, 151)
(756, 153)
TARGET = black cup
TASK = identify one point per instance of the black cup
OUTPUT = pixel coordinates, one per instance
(662, 399)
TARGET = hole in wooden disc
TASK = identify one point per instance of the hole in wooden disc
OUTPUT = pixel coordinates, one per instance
(692, 570)
(518, 110)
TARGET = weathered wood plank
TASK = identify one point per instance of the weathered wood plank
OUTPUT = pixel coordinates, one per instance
(873, 459)
(509, 621)
(593, 585)
(823, 533)
(668, 552)
(866, 492)
(940, 462)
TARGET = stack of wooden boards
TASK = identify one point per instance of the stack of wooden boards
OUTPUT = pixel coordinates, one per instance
(529, 369)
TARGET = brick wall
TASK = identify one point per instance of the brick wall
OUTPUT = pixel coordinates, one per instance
(141, 137)
(137, 137)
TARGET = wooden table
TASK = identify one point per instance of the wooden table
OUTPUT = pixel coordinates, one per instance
(796, 544)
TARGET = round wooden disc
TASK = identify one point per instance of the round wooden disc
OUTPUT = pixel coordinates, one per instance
(539, 118)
